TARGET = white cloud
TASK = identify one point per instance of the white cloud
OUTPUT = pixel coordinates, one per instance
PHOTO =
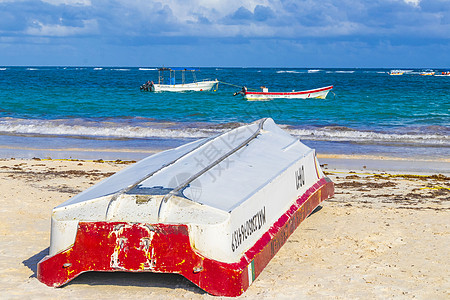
(69, 2)
(286, 19)
(413, 2)
(188, 11)
(57, 30)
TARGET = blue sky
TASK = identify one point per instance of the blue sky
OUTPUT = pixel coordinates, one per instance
(283, 33)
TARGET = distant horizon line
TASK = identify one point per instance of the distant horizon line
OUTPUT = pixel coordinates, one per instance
(209, 67)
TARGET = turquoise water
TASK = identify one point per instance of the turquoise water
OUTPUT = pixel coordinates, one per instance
(369, 112)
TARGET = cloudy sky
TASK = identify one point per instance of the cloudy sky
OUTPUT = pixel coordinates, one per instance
(246, 33)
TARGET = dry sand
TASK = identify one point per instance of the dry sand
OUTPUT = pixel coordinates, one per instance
(380, 237)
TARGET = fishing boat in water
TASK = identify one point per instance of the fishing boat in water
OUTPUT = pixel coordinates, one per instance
(446, 73)
(167, 82)
(427, 73)
(396, 72)
(264, 94)
(216, 211)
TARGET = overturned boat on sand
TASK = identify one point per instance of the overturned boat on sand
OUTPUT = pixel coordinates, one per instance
(215, 211)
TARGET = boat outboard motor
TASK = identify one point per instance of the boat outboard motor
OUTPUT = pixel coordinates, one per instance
(148, 86)
(241, 92)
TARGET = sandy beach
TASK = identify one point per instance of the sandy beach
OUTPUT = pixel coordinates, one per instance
(383, 235)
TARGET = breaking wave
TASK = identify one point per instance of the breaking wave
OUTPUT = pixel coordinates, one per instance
(288, 71)
(141, 128)
(345, 134)
(101, 129)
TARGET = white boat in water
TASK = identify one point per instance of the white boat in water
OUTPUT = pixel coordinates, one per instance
(215, 211)
(427, 73)
(264, 94)
(168, 83)
(396, 72)
(446, 73)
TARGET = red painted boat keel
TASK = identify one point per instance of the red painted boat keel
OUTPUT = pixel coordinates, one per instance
(165, 248)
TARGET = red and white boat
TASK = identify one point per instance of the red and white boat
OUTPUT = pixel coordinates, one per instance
(447, 73)
(215, 211)
(320, 93)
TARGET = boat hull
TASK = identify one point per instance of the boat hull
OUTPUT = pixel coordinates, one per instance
(142, 247)
(195, 86)
(320, 93)
(187, 211)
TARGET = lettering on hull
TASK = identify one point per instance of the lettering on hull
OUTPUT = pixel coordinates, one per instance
(300, 177)
(248, 228)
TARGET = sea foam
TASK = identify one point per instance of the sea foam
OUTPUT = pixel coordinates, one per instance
(124, 129)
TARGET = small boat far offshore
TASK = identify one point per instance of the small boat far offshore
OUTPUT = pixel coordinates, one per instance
(445, 73)
(319, 93)
(427, 73)
(168, 83)
(396, 72)
(216, 211)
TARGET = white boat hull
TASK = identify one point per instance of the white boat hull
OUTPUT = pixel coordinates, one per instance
(195, 86)
(215, 210)
(320, 93)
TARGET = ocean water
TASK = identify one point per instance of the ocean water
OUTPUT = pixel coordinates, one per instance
(69, 110)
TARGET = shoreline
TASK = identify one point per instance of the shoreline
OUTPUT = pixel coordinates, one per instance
(381, 236)
(361, 162)
(384, 164)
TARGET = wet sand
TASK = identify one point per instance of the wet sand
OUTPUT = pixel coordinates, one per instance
(383, 235)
